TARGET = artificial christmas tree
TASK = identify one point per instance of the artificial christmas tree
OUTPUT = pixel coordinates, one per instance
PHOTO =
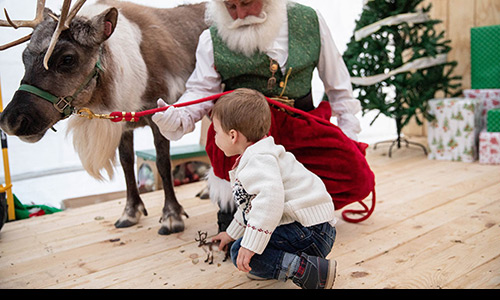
(398, 61)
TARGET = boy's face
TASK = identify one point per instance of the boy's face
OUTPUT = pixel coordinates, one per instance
(225, 140)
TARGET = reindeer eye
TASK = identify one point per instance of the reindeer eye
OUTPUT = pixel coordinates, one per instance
(68, 60)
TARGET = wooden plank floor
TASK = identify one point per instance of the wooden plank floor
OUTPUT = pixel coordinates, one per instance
(436, 225)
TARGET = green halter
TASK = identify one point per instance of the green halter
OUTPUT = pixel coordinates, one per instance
(63, 104)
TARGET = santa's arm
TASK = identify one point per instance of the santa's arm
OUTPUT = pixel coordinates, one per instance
(203, 82)
(337, 81)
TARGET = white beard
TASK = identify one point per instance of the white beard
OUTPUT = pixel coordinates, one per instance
(251, 34)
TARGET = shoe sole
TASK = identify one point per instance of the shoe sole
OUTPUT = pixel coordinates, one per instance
(332, 273)
(255, 277)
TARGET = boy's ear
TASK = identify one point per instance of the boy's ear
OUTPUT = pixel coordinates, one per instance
(234, 136)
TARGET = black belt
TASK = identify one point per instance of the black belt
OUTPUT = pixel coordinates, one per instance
(305, 103)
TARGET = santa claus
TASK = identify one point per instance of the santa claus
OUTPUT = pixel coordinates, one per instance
(272, 46)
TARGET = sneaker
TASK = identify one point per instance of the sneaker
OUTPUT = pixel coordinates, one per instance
(332, 273)
(315, 272)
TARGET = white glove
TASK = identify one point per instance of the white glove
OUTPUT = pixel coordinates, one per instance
(173, 122)
(350, 125)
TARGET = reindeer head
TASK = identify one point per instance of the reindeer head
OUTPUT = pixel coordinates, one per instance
(62, 64)
(202, 238)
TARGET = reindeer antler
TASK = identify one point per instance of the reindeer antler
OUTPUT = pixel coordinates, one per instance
(25, 23)
(31, 23)
(202, 236)
(62, 24)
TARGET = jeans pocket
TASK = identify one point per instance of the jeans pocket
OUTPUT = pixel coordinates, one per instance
(295, 238)
(329, 232)
(301, 232)
(291, 237)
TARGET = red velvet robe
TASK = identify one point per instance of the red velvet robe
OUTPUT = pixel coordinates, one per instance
(322, 148)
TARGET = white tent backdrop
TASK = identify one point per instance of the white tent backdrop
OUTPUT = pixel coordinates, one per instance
(50, 171)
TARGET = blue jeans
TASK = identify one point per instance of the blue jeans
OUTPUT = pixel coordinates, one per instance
(282, 254)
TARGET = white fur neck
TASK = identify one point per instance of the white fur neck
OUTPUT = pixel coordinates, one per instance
(96, 141)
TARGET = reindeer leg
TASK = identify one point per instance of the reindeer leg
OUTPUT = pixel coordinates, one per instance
(134, 206)
(171, 220)
(211, 260)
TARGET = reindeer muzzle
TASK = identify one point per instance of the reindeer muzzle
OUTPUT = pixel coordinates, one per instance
(61, 104)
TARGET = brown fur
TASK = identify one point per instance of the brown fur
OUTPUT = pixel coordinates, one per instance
(173, 44)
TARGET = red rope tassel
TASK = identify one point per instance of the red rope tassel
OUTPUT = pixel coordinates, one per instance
(366, 211)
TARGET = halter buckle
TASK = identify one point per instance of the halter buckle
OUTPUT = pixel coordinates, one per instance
(63, 103)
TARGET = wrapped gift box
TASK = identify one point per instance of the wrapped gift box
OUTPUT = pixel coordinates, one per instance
(489, 148)
(494, 120)
(485, 54)
(488, 99)
(454, 133)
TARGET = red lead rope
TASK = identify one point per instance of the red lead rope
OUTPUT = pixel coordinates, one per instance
(118, 116)
(135, 116)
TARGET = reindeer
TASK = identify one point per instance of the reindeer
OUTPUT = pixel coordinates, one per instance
(109, 56)
(209, 247)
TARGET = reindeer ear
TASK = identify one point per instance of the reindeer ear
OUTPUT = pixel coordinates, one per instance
(47, 12)
(110, 22)
(106, 23)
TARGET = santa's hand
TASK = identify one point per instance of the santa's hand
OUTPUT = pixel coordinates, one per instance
(350, 125)
(169, 121)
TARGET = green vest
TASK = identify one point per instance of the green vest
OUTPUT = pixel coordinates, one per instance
(304, 44)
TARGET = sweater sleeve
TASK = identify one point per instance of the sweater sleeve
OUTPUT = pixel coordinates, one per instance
(236, 228)
(261, 177)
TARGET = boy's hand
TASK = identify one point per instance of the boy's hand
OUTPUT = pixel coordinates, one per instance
(224, 239)
(243, 260)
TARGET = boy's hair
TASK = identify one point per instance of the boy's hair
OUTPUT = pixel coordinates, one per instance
(246, 111)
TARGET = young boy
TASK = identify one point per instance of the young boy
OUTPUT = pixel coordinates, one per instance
(284, 225)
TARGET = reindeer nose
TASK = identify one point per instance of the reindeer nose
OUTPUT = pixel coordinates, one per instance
(28, 117)
(14, 122)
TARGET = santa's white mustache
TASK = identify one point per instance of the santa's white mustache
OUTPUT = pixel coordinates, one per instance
(249, 20)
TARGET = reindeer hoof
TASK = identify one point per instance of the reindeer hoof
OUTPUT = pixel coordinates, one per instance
(124, 223)
(166, 231)
(204, 194)
(131, 217)
(171, 224)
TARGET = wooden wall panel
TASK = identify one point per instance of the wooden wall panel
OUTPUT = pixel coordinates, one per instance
(461, 19)
(439, 11)
(487, 12)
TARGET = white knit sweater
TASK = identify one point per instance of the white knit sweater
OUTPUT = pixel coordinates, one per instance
(271, 188)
